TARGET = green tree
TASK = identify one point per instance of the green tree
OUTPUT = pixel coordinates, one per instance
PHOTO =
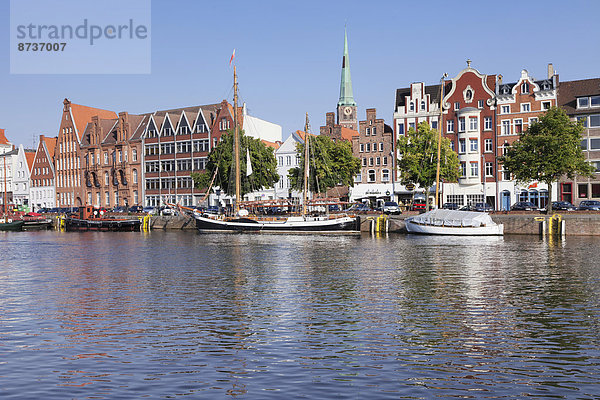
(264, 166)
(331, 164)
(418, 158)
(548, 150)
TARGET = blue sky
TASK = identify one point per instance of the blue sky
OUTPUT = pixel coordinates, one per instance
(288, 56)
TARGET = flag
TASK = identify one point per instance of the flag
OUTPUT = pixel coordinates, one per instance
(232, 57)
(248, 163)
(533, 185)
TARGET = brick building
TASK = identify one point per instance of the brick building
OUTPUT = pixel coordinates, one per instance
(43, 189)
(581, 101)
(374, 145)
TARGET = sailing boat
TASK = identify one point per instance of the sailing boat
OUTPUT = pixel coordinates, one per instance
(244, 222)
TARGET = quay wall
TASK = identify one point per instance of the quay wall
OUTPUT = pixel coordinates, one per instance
(577, 224)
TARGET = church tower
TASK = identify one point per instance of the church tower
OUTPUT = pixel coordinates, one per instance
(346, 106)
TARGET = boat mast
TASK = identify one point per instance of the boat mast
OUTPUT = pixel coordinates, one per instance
(439, 147)
(236, 144)
(5, 187)
(306, 167)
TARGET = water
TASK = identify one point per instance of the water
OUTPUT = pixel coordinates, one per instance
(170, 314)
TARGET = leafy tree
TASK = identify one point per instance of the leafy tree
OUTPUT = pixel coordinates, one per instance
(331, 164)
(418, 158)
(264, 165)
(548, 150)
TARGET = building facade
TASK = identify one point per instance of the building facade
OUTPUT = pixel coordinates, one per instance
(43, 189)
(7, 154)
(287, 158)
(374, 145)
(518, 105)
(22, 176)
(581, 101)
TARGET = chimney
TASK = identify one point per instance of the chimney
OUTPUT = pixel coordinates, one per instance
(499, 79)
(550, 71)
(123, 128)
(329, 119)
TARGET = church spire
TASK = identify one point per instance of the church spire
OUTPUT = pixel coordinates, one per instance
(346, 97)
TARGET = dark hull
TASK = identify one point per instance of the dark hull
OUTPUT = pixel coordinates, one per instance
(345, 225)
(116, 225)
(37, 225)
(11, 226)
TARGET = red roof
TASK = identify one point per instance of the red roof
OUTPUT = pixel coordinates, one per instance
(83, 114)
(274, 145)
(3, 139)
(50, 145)
(348, 134)
(30, 156)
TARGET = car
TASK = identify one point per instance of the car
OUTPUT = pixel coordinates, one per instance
(468, 207)
(523, 206)
(589, 205)
(450, 206)
(483, 207)
(391, 207)
(563, 206)
(149, 210)
(136, 209)
(119, 209)
(43, 210)
(166, 210)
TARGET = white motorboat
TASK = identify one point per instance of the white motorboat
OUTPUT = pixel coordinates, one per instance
(452, 222)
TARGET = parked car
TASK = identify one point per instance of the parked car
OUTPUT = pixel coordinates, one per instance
(359, 208)
(391, 207)
(450, 206)
(136, 209)
(149, 210)
(563, 206)
(590, 205)
(43, 210)
(166, 210)
(524, 206)
(468, 207)
(119, 209)
(483, 207)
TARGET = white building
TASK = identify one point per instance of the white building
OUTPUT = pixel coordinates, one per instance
(21, 176)
(287, 158)
(259, 128)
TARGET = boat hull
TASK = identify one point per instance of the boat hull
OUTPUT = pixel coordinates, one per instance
(494, 230)
(346, 225)
(116, 225)
(38, 224)
(11, 226)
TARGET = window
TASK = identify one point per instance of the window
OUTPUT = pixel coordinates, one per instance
(183, 130)
(488, 145)
(434, 124)
(463, 146)
(152, 166)
(595, 101)
(412, 106)
(385, 175)
(358, 178)
(136, 198)
(582, 190)
(120, 156)
(362, 147)
(505, 110)
(367, 132)
(385, 160)
(525, 107)
(532, 121)
(595, 190)
(422, 105)
(450, 125)
(167, 132)
(374, 131)
(368, 147)
(106, 179)
(378, 161)
(134, 176)
(505, 127)
(412, 125)
(461, 124)
(107, 198)
(370, 161)
(380, 146)
(458, 199)
(400, 129)
(487, 123)
(489, 169)
(371, 175)
(594, 144)
(105, 157)
(474, 169)
(595, 121)
(583, 102)
(288, 160)
(583, 121)
(457, 105)
(525, 87)
(463, 169)
(473, 126)
(518, 126)
(133, 155)
(545, 105)
(473, 145)
(452, 145)
(364, 162)
(184, 147)
(480, 104)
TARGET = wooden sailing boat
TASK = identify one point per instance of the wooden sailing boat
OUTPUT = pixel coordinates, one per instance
(242, 221)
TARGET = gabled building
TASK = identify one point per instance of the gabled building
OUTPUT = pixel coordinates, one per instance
(43, 189)
(74, 119)
(8, 156)
(5, 144)
(287, 158)
(374, 145)
(21, 176)
(581, 101)
(520, 104)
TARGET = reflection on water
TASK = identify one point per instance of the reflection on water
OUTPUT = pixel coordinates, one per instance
(127, 315)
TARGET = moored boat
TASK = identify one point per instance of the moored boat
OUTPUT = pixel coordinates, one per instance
(8, 224)
(453, 222)
(93, 219)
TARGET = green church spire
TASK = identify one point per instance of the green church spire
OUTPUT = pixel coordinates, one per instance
(346, 97)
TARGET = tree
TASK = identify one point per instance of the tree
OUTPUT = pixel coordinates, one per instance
(331, 164)
(548, 150)
(418, 158)
(264, 166)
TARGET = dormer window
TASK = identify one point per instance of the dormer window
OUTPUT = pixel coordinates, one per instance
(583, 102)
(422, 105)
(412, 106)
(505, 90)
(545, 86)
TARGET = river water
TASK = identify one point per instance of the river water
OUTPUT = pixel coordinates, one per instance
(170, 314)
